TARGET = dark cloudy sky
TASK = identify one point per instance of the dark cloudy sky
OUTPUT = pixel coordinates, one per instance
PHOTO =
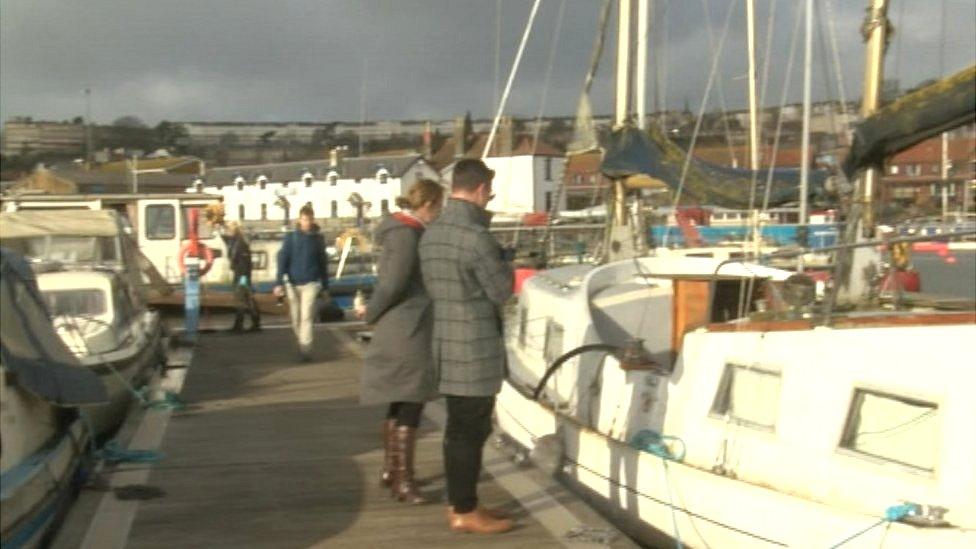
(288, 60)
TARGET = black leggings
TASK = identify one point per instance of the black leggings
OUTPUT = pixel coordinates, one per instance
(407, 414)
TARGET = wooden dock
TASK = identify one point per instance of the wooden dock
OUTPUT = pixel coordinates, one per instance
(271, 452)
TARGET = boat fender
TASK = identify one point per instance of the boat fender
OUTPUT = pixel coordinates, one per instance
(202, 252)
(548, 452)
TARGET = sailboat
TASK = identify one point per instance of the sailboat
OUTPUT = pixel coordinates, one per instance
(719, 403)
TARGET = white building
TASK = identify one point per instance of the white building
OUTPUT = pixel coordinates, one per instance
(261, 192)
(527, 176)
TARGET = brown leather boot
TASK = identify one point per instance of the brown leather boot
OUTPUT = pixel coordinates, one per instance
(478, 521)
(389, 453)
(404, 485)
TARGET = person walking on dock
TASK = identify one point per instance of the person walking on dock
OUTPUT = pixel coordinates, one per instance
(303, 262)
(398, 367)
(468, 282)
(239, 255)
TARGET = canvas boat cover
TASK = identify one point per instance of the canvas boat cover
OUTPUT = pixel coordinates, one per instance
(913, 118)
(31, 223)
(634, 152)
(29, 346)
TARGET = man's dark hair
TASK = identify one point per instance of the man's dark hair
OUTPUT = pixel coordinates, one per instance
(307, 210)
(469, 173)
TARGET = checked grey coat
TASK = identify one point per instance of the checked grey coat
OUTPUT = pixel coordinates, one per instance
(397, 364)
(468, 282)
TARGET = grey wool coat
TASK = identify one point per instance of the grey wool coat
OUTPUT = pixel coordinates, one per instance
(398, 364)
(468, 282)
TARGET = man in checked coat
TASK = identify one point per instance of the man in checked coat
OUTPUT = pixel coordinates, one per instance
(468, 281)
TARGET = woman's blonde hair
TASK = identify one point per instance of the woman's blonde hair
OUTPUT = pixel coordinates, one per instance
(420, 193)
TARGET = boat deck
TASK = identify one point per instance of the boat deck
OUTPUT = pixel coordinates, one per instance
(271, 452)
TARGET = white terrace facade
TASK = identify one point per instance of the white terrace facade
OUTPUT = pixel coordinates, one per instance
(271, 193)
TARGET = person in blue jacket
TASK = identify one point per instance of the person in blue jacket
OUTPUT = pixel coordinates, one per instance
(303, 272)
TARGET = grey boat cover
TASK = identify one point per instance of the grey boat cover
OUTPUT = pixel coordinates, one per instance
(30, 223)
(31, 349)
(913, 118)
(632, 152)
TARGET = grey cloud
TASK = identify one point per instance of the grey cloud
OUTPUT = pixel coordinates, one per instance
(303, 59)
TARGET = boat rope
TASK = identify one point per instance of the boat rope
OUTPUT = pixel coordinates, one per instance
(113, 452)
(717, 54)
(594, 347)
(511, 78)
(782, 104)
(892, 514)
(545, 86)
(718, 87)
(839, 75)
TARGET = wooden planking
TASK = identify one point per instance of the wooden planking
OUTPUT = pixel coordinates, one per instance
(275, 453)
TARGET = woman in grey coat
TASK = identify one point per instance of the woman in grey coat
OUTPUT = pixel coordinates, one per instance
(398, 368)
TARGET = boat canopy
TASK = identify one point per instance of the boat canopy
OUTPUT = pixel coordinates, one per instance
(32, 223)
(31, 349)
(913, 118)
(633, 152)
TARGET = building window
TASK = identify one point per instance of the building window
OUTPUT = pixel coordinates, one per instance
(913, 169)
(335, 209)
(382, 176)
(549, 168)
(308, 180)
(239, 183)
(894, 169)
(548, 201)
(262, 182)
(264, 211)
(893, 428)
(160, 222)
(749, 396)
(384, 206)
(333, 179)
(240, 212)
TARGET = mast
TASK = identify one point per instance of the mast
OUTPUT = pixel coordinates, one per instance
(753, 125)
(876, 30)
(805, 141)
(641, 79)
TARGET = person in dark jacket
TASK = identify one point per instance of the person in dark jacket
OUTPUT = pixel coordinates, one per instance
(398, 367)
(468, 281)
(303, 273)
(239, 255)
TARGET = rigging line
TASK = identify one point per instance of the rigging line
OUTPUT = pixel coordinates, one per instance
(701, 113)
(762, 100)
(828, 89)
(839, 75)
(720, 90)
(511, 78)
(545, 87)
(782, 103)
(598, 43)
(498, 41)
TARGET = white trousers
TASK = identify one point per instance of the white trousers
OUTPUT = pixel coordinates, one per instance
(301, 306)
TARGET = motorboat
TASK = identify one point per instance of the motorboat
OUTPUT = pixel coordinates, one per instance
(42, 389)
(90, 280)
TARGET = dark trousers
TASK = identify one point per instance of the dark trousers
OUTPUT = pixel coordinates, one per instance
(406, 414)
(468, 427)
(244, 303)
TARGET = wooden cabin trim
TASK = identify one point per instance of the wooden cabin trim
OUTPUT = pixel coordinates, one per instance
(873, 321)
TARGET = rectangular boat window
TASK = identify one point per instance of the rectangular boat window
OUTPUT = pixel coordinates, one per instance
(160, 222)
(554, 341)
(893, 428)
(79, 302)
(749, 396)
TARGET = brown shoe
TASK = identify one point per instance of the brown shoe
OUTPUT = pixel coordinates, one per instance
(389, 453)
(478, 522)
(404, 485)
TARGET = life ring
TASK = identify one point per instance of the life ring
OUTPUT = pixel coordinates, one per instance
(186, 249)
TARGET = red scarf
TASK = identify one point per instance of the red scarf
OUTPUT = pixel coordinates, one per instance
(408, 220)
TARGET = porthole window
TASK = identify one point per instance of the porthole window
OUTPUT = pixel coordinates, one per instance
(554, 341)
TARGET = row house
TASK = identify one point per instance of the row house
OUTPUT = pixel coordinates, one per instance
(337, 188)
(914, 175)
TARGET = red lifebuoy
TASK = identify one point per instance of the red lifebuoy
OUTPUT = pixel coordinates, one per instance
(203, 252)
